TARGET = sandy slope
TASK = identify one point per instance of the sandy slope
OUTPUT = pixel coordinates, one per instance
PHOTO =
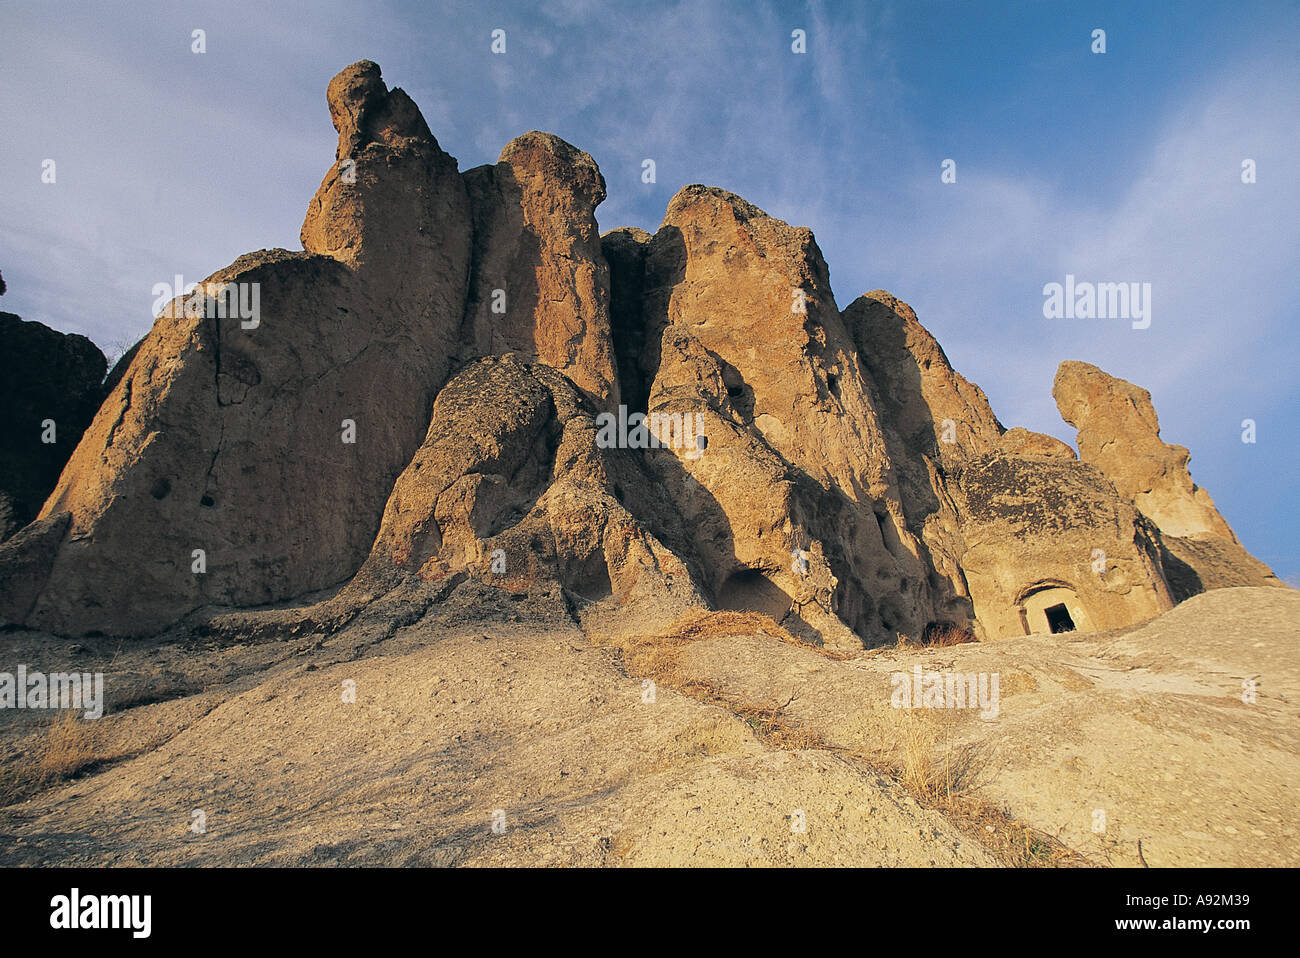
(446, 729)
(454, 720)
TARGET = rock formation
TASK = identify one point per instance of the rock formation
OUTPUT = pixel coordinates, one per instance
(50, 390)
(1120, 435)
(540, 287)
(460, 392)
(1011, 523)
(232, 438)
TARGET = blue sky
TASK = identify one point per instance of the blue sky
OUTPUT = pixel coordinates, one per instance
(1115, 167)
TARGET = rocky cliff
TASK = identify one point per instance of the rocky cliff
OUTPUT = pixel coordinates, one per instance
(460, 391)
(50, 390)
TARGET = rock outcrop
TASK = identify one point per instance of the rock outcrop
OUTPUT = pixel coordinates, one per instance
(741, 328)
(930, 406)
(1019, 441)
(540, 286)
(460, 393)
(512, 488)
(242, 461)
(934, 421)
(49, 391)
(1011, 524)
(1047, 533)
(1119, 433)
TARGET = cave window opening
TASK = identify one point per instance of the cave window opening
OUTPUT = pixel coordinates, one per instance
(1058, 619)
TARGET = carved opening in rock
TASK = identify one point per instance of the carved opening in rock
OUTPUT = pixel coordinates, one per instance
(741, 396)
(589, 579)
(1058, 619)
(1052, 607)
(161, 488)
(889, 535)
(833, 384)
(749, 590)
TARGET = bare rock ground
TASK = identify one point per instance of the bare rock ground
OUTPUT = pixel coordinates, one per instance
(449, 725)
(756, 750)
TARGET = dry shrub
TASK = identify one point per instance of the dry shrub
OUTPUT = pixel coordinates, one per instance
(937, 781)
(939, 635)
(63, 749)
(67, 747)
(771, 725)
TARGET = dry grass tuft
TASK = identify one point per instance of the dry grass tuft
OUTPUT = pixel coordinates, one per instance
(937, 773)
(63, 749)
(67, 748)
(1017, 681)
(946, 776)
(942, 635)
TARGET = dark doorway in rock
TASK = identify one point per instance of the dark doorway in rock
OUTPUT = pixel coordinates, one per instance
(749, 590)
(1058, 618)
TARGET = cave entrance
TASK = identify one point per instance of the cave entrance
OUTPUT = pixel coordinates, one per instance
(1052, 607)
(1058, 619)
(749, 590)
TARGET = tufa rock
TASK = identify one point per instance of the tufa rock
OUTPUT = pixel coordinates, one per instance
(1120, 434)
(511, 487)
(1043, 533)
(540, 286)
(651, 426)
(741, 328)
(230, 439)
(48, 377)
(1019, 441)
(917, 386)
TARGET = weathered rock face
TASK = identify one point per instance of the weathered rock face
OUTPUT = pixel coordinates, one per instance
(430, 403)
(934, 420)
(512, 488)
(741, 328)
(1043, 532)
(932, 407)
(540, 285)
(236, 440)
(1009, 521)
(1120, 434)
(393, 207)
(48, 378)
(1019, 441)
